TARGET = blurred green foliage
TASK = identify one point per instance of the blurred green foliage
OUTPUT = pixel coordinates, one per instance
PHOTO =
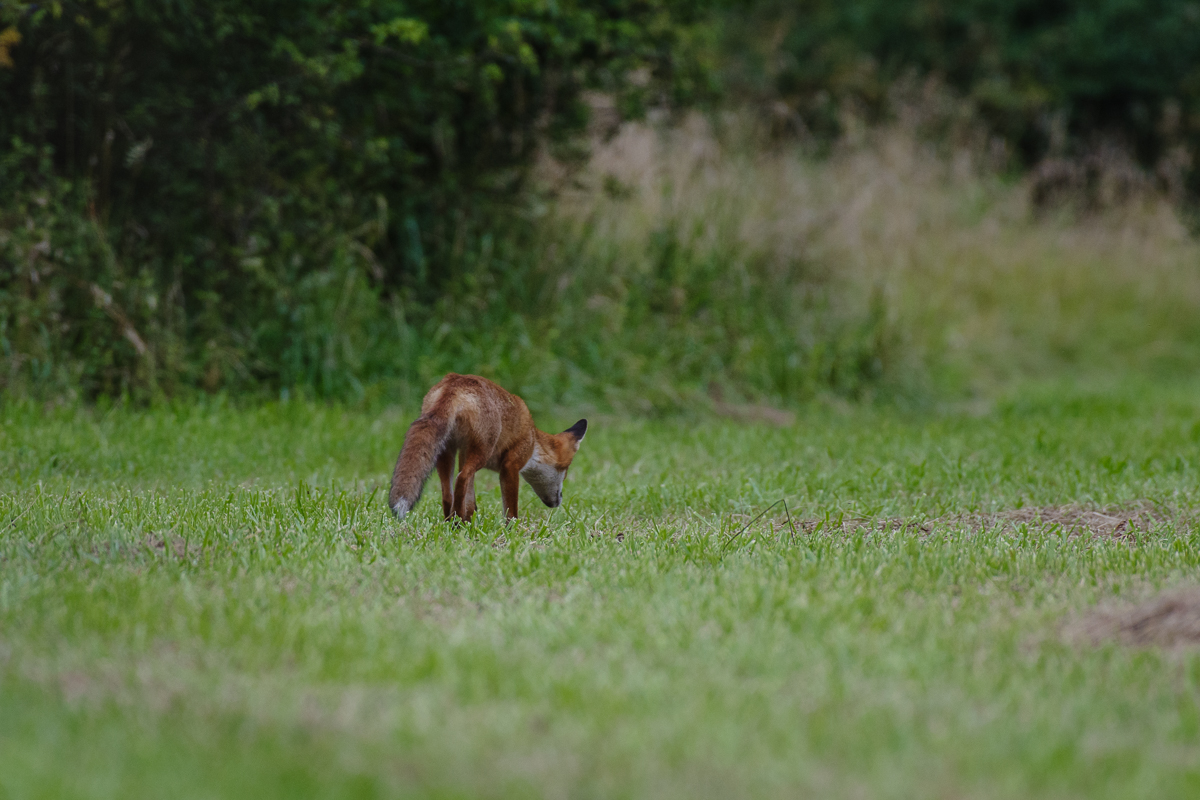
(240, 192)
(1050, 76)
(332, 195)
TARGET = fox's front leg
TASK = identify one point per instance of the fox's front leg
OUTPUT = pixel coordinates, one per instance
(510, 487)
(445, 469)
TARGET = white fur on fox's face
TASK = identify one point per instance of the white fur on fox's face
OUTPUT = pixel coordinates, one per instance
(546, 479)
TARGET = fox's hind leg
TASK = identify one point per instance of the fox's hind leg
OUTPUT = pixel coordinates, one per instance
(445, 470)
(469, 463)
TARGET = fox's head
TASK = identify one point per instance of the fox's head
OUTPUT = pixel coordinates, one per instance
(551, 457)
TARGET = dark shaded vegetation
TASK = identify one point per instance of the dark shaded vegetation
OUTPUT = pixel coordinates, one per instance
(336, 197)
(231, 193)
(1051, 78)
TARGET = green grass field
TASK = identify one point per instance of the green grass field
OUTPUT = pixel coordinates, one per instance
(211, 601)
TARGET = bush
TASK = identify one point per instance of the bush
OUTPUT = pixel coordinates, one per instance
(336, 197)
(1051, 77)
(247, 192)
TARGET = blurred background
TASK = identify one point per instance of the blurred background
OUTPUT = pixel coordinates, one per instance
(631, 205)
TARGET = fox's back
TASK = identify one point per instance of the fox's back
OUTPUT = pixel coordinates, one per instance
(479, 411)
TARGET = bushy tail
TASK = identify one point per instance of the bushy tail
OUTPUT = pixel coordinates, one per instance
(422, 445)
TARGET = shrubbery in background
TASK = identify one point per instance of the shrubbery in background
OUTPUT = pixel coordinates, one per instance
(1051, 78)
(237, 193)
(345, 198)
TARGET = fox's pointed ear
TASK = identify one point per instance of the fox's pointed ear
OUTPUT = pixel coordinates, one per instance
(578, 430)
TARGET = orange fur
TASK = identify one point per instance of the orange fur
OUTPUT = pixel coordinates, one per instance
(487, 428)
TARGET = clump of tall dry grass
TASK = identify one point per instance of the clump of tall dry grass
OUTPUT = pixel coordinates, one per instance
(949, 273)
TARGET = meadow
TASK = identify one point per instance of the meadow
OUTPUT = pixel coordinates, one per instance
(209, 599)
(892, 480)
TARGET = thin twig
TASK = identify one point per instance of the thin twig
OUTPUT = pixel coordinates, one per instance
(729, 541)
(792, 539)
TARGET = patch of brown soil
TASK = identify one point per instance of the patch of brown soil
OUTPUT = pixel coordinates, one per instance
(1113, 522)
(1117, 523)
(1171, 619)
(854, 524)
(755, 413)
(159, 544)
(749, 412)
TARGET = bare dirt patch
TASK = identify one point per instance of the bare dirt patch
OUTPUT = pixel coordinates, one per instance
(1111, 522)
(1171, 619)
(161, 544)
(749, 412)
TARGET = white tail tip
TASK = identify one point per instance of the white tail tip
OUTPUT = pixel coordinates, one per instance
(401, 508)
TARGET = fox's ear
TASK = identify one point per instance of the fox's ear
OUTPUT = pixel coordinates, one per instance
(578, 430)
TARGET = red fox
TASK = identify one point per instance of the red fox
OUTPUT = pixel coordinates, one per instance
(488, 428)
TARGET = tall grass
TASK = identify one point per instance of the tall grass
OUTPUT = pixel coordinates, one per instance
(893, 263)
